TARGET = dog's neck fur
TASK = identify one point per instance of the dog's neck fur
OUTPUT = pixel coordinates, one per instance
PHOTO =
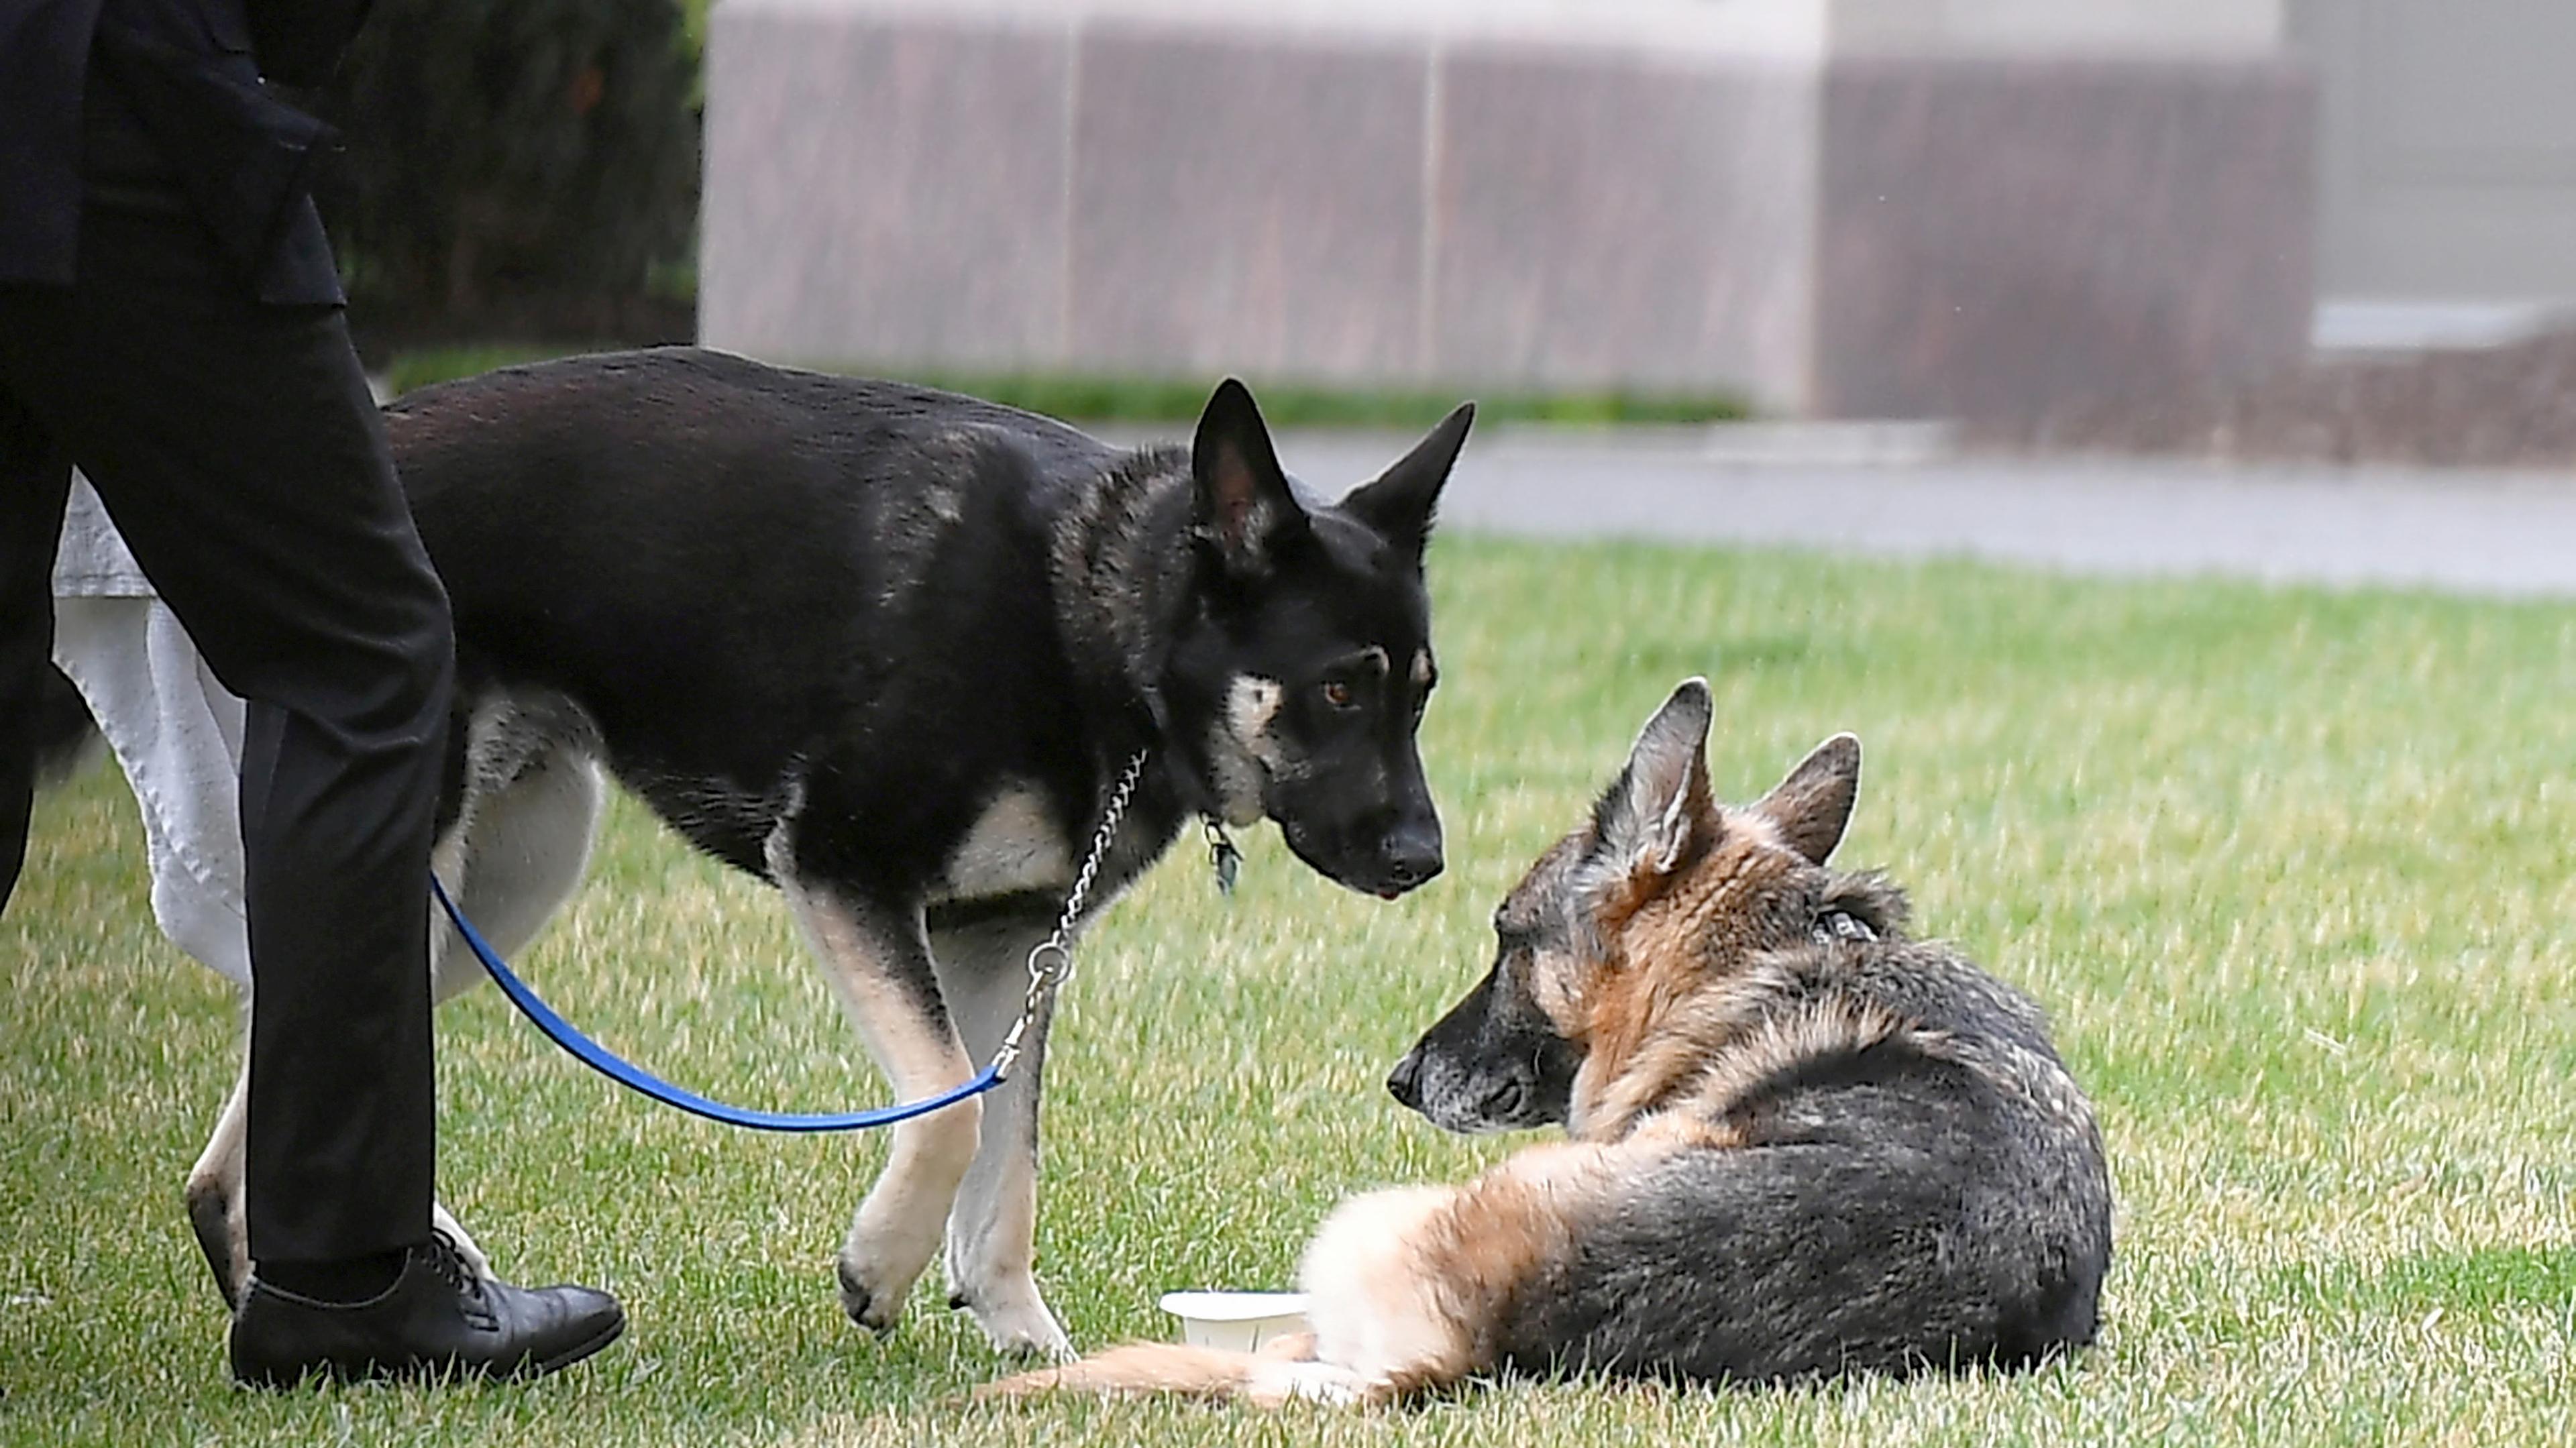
(1119, 567)
(1717, 1046)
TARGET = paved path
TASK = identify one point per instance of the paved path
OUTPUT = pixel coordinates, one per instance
(2489, 533)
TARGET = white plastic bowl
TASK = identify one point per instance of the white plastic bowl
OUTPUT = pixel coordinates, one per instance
(1242, 1321)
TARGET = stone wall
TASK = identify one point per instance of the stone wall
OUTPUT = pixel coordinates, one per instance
(1802, 200)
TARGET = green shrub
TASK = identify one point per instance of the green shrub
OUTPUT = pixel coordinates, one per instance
(495, 147)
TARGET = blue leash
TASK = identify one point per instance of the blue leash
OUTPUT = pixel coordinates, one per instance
(625, 1073)
(1050, 965)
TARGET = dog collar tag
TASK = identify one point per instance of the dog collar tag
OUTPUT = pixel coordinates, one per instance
(1222, 854)
(1841, 924)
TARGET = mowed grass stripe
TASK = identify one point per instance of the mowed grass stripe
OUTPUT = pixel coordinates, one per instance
(2288, 867)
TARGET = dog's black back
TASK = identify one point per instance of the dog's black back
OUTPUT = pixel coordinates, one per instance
(777, 595)
(816, 548)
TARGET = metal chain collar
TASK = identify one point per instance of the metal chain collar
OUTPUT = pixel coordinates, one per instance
(1051, 959)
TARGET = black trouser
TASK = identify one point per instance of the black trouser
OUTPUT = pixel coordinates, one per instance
(239, 453)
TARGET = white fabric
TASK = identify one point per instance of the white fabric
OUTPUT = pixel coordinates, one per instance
(92, 561)
(175, 731)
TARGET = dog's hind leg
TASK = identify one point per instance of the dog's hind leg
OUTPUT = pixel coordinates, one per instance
(521, 854)
(215, 1194)
(516, 852)
(517, 855)
(991, 1252)
(216, 1197)
(879, 964)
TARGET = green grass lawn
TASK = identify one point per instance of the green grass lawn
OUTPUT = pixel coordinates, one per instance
(2289, 868)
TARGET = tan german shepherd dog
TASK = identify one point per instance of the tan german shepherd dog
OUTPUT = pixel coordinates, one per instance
(1801, 1144)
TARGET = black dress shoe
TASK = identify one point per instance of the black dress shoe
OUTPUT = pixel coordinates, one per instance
(438, 1320)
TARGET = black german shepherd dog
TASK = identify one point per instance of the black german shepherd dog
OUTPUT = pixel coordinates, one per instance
(890, 649)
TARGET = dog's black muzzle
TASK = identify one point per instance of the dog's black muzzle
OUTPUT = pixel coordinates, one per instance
(1492, 1064)
(1378, 857)
(1411, 856)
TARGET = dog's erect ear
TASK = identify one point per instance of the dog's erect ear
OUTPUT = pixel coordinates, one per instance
(1399, 506)
(1811, 807)
(1243, 507)
(1647, 820)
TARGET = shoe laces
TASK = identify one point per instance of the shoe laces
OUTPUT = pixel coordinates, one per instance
(448, 1261)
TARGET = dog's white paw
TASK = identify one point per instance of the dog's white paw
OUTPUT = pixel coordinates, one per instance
(215, 1215)
(872, 1301)
(878, 1265)
(1016, 1318)
(899, 1227)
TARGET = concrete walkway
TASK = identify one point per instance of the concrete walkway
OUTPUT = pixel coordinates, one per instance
(2510, 534)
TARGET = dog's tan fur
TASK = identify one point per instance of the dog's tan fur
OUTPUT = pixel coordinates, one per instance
(1668, 963)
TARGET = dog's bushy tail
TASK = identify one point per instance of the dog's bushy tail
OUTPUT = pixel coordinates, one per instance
(1138, 1369)
(1283, 1371)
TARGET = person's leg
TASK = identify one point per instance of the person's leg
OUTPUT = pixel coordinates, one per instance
(243, 461)
(35, 477)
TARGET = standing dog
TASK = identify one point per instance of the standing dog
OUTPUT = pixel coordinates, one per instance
(889, 649)
(1802, 1144)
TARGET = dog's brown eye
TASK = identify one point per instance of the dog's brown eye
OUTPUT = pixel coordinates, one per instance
(1337, 694)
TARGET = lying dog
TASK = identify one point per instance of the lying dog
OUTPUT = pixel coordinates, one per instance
(890, 649)
(1801, 1143)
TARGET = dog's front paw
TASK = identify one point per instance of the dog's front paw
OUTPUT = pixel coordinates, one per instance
(894, 1235)
(1016, 1318)
(871, 1305)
